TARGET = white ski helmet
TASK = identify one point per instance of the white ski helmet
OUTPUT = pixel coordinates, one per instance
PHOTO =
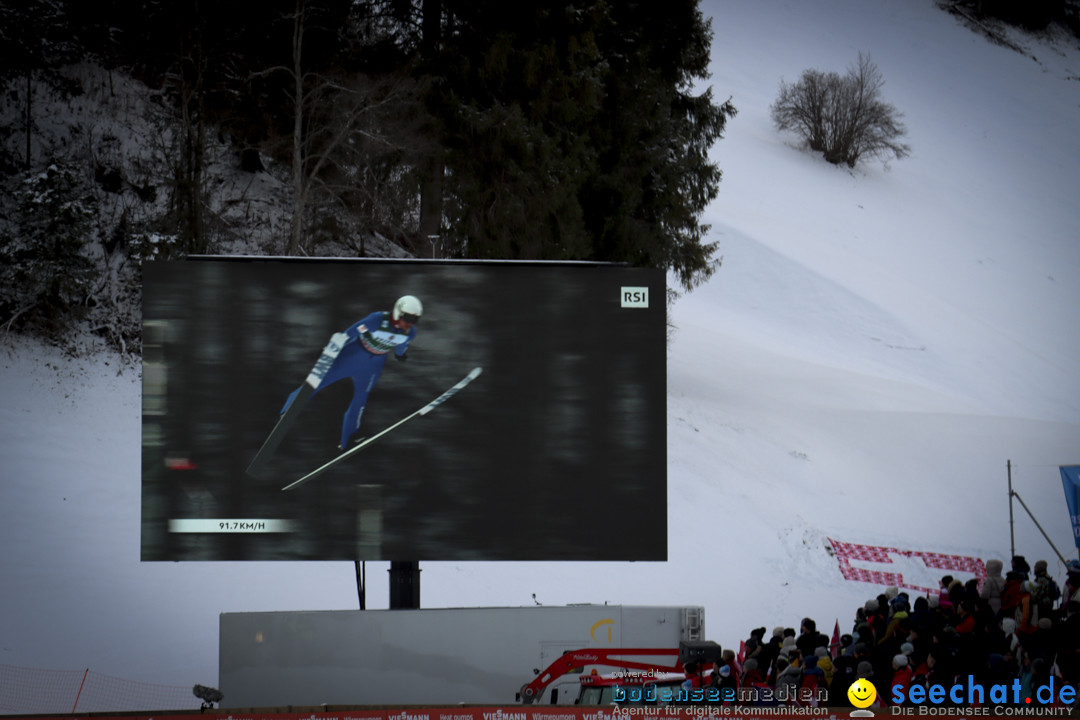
(407, 308)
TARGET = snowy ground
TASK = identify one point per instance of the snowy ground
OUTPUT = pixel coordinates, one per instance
(876, 346)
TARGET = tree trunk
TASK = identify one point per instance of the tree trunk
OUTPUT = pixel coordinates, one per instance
(431, 184)
(29, 114)
(298, 135)
(189, 173)
(431, 201)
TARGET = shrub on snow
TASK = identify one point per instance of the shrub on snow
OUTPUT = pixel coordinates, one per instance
(842, 117)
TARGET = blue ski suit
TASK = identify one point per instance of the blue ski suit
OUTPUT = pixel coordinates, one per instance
(362, 360)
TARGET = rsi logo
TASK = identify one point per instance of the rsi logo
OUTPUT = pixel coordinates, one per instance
(634, 297)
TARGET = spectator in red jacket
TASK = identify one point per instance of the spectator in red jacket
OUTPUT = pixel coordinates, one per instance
(901, 673)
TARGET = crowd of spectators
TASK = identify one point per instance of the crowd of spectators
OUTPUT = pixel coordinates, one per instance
(1005, 628)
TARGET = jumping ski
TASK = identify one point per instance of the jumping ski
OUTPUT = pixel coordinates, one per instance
(288, 418)
(473, 374)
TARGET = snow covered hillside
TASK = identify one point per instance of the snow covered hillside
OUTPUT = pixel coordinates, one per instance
(877, 345)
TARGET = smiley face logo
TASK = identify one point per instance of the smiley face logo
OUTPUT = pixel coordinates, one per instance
(862, 693)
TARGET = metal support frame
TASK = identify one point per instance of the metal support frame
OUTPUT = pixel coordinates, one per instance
(1012, 538)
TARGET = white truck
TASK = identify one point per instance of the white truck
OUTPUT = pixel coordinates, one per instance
(427, 656)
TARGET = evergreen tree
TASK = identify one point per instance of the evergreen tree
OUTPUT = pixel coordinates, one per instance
(35, 39)
(653, 178)
(521, 92)
(574, 132)
(46, 277)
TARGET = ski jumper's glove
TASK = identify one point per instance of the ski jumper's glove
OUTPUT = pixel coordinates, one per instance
(403, 356)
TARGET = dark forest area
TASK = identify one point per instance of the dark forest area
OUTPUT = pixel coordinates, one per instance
(428, 128)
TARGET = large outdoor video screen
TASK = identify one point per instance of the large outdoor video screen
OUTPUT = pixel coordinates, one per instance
(526, 419)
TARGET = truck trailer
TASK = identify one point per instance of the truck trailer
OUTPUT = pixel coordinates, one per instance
(427, 656)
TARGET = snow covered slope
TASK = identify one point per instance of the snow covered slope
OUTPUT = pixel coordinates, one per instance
(876, 346)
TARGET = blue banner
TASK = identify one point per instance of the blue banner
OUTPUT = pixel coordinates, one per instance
(1070, 478)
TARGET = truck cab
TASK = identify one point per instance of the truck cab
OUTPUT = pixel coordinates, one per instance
(629, 688)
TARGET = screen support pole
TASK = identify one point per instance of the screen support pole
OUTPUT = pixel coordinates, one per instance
(404, 585)
(361, 591)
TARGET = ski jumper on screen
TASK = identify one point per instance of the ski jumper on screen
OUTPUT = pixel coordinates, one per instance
(364, 354)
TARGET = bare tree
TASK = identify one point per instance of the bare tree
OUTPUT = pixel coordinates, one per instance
(340, 131)
(842, 117)
(360, 154)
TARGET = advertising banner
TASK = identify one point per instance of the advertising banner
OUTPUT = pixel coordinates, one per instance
(876, 565)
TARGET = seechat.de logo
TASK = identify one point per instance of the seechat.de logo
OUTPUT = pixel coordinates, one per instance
(1045, 700)
(634, 297)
